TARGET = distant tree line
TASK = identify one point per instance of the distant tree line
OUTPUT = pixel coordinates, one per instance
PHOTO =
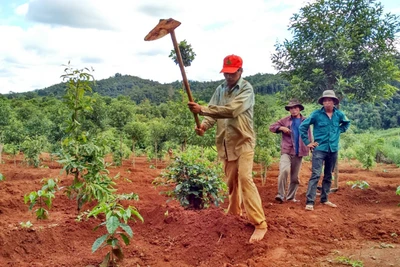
(142, 92)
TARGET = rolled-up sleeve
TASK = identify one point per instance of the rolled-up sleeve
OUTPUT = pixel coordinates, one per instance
(344, 124)
(275, 126)
(304, 126)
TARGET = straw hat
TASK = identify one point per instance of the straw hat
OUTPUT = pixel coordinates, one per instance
(328, 94)
(294, 103)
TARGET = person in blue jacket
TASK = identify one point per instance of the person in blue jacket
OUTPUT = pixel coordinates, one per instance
(328, 123)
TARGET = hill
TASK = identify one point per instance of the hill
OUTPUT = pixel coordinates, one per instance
(138, 89)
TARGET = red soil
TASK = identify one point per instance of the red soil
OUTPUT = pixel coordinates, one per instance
(365, 226)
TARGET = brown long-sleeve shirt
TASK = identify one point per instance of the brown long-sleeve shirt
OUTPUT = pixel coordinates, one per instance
(287, 143)
(232, 111)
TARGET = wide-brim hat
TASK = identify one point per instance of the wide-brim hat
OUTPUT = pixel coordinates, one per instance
(328, 94)
(294, 103)
(231, 64)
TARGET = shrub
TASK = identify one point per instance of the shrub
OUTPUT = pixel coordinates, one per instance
(195, 182)
(391, 151)
(120, 153)
(12, 150)
(347, 154)
(210, 154)
(366, 150)
(32, 147)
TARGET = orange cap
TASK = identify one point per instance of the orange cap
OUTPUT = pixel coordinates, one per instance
(231, 64)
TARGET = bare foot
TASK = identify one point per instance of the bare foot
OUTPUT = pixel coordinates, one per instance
(258, 234)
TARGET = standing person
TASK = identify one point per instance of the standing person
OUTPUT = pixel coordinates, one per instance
(292, 150)
(329, 123)
(231, 108)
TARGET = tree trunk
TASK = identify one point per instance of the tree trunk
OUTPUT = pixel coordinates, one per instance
(1, 152)
(183, 145)
(263, 174)
(155, 152)
(120, 145)
(133, 152)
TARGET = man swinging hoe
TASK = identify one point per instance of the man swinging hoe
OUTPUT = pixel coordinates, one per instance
(231, 109)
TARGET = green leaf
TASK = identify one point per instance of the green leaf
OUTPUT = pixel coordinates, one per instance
(40, 193)
(33, 196)
(127, 229)
(114, 242)
(178, 187)
(137, 214)
(41, 213)
(51, 184)
(99, 241)
(112, 224)
(47, 201)
(27, 198)
(125, 238)
(128, 213)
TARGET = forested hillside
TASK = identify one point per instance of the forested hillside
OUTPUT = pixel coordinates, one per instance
(365, 116)
(132, 117)
(138, 89)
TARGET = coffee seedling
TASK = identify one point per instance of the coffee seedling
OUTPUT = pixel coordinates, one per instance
(358, 184)
(27, 224)
(117, 218)
(197, 183)
(349, 261)
(42, 197)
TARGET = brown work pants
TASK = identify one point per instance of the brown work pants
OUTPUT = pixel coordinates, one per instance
(289, 166)
(238, 174)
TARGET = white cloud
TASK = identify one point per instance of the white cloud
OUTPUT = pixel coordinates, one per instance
(22, 10)
(42, 35)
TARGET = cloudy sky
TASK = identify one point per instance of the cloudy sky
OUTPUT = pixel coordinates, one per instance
(38, 37)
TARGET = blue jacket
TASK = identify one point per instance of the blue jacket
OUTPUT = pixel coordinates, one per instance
(326, 131)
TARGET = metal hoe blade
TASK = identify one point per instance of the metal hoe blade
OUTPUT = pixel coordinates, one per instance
(164, 27)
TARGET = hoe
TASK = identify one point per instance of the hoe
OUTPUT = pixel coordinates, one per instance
(164, 27)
